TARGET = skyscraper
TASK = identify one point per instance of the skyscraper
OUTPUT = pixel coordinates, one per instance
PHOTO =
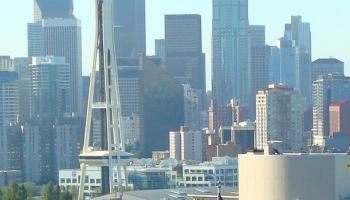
(327, 89)
(258, 58)
(130, 77)
(50, 88)
(130, 28)
(279, 117)
(159, 47)
(274, 62)
(231, 66)
(326, 66)
(62, 38)
(295, 47)
(9, 98)
(58, 33)
(44, 9)
(185, 61)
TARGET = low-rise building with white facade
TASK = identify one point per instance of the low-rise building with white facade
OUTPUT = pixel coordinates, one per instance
(207, 174)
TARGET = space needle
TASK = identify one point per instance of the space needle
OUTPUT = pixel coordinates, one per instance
(111, 153)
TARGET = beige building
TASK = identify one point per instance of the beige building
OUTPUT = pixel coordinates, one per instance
(279, 117)
(294, 177)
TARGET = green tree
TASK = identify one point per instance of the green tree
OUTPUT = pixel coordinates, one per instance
(11, 192)
(0, 194)
(51, 192)
(30, 188)
(66, 196)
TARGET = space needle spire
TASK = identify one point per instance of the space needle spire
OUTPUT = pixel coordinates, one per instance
(111, 153)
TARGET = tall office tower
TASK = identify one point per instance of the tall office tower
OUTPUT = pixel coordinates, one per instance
(56, 32)
(38, 151)
(68, 142)
(44, 9)
(163, 103)
(22, 68)
(296, 57)
(327, 89)
(274, 63)
(326, 66)
(258, 58)
(85, 89)
(9, 98)
(258, 62)
(231, 65)
(6, 63)
(62, 38)
(192, 108)
(185, 61)
(130, 76)
(50, 88)
(130, 28)
(35, 35)
(279, 117)
(159, 49)
(187, 145)
(10, 148)
(339, 115)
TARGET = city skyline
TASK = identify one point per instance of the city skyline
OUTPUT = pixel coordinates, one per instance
(322, 26)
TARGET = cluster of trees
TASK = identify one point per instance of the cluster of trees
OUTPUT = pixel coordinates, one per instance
(26, 191)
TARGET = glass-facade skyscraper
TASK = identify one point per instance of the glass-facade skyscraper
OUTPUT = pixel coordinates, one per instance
(230, 44)
(130, 27)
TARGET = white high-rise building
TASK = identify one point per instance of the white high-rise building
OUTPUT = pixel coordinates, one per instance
(279, 117)
(187, 145)
(9, 98)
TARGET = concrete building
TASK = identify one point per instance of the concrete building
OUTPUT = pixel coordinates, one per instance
(60, 37)
(326, 90)
(185, 61)
(11, 148)
(243, 135)
(6, 64)
(192, 108)
(68, 142)
(294, 176)
(274, 63)
(50, 89)
(130, 27)
(279, 117)
(326, 66)
(159, 48)
(207, 174)
(187, 145)
(258, 59)
(21, 65)
(339, 115)
(226, 116)
(131, 89)
(9, 98)
(38, 151)
(231, 60)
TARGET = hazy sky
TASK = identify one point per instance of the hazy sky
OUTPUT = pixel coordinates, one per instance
(329, 24)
